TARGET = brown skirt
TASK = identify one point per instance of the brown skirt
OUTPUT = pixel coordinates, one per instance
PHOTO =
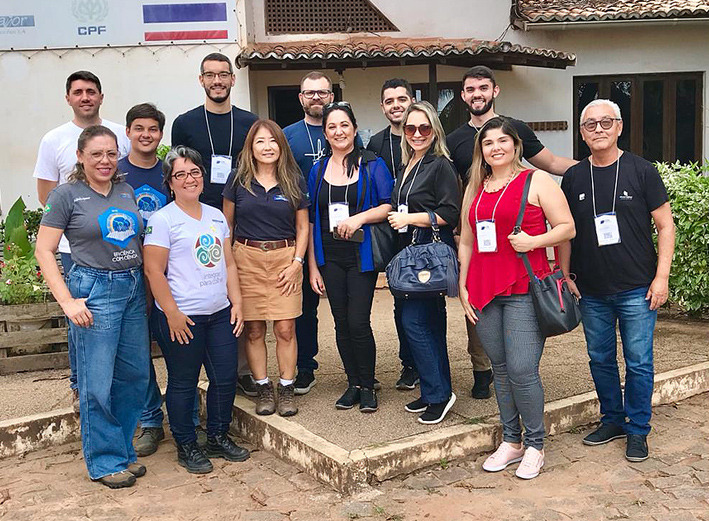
(258, 276)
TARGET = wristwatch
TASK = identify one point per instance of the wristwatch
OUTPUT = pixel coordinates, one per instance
(299, 259)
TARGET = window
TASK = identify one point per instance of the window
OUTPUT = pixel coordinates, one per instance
(318, 16)
(661, 113)
(450, 106)
(284, 106)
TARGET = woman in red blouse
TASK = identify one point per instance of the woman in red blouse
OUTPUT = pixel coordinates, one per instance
(494, 285)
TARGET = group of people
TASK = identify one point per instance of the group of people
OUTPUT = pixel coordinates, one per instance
(244, 223)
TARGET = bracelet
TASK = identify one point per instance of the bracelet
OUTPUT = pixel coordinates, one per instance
(299, 259)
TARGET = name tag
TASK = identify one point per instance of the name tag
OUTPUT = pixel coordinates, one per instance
(221, 168)
(337, 212)
(486, 236)
(403, 208)
(607, 231)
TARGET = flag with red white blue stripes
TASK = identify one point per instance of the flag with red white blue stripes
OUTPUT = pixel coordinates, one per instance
(185, 21)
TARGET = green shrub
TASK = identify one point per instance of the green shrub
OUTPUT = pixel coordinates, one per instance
(688, 190)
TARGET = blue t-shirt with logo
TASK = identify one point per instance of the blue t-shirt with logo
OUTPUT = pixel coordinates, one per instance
(150, 193)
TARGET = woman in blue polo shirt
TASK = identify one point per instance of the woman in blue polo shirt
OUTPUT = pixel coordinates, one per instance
(350, 189)
(266, 203)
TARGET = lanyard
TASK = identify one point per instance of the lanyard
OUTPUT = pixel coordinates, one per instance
(329, 192)
(209, 132)
(391, 152)
(312, 146)
(494, 209)
(398, 198)
(615, 189)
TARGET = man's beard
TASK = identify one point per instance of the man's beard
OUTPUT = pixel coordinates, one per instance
(218, 99)
(479, 112)
(314, 110)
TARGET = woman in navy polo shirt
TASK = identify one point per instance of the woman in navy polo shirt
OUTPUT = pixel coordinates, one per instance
(265, 200)
(350, 189)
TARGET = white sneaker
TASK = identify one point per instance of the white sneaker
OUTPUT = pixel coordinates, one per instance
(532, 463)
(505, 455)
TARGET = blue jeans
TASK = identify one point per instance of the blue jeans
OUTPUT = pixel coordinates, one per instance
(112, 364)
(306, 327)
(424, 322)
(407, 360)
(152, 415)
(214, 346)
(636, 322)
(67, 263)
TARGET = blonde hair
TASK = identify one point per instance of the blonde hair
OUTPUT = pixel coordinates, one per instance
(79, 174)
(439, 142)
(480, 170)
(287, 171)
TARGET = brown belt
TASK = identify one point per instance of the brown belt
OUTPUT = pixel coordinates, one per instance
(266, 245)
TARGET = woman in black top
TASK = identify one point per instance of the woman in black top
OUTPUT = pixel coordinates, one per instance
(428, 182)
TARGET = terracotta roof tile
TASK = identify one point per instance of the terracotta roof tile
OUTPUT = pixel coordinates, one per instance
(369, 48)
(601, 10)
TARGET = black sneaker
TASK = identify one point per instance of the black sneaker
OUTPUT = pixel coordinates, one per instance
(636, 450)
(247, 385)
(349, 399)
(481, 384)
(304, 382)
(416, 406)
(147, 443)
(192, 457)
(603, 434)
(408, 380)
(368, 400)
(221, 446)
(435, 412)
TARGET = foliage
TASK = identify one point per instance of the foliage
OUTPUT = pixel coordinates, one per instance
(20, 281)
(162, 151)
(688, 190)
(32, 219)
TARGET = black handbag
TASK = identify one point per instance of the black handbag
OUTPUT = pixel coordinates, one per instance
(557, 309)
(424, 270)
(385, 239)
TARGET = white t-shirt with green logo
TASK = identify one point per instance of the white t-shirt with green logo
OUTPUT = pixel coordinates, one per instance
(196, 270)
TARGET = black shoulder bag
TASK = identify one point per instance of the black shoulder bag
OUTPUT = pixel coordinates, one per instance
(557, 309)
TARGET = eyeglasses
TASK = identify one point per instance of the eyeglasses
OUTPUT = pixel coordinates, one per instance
(425, 130)
(209, 76)
(322, 93)
(182, 175)
(97, 156)
(606, 123)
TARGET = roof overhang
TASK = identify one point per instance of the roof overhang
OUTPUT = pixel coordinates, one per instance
(367, 52)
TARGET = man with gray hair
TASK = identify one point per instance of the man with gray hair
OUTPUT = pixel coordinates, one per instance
(614, 197)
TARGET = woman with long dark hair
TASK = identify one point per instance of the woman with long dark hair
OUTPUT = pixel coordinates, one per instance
(494, 284)
(350, 189)
(104, 299)
(266, 204)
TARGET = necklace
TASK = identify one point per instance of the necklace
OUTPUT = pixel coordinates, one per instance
(501, 187)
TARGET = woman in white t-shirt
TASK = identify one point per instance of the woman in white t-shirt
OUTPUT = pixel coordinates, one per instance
(194, 281)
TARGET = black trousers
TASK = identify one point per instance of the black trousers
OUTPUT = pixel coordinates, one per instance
(350, 293)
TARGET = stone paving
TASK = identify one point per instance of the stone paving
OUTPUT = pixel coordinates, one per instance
(578, 483)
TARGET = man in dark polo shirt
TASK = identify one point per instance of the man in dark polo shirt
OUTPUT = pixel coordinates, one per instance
(217, 130)
(478, 93)
(614, 197)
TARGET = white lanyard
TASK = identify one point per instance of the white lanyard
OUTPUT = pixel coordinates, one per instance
(329, 193)
(494, 209)
(209, 132)
(391, 152)
(398, 199)
(615, 189)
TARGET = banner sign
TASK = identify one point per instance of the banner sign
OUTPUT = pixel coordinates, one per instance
(62, 24)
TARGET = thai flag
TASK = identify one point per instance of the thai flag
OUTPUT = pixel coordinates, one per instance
(195, 21)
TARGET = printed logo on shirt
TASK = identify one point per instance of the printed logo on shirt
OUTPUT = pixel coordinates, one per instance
(280, 198)
(149, 201)
(582, 197)
(79, 199)
(208, 251)
(318, 153)
(118, 226)
(625, 196)
(47, 208)
(148, 230)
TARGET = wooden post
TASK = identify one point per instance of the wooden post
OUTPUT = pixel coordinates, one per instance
(433, 85)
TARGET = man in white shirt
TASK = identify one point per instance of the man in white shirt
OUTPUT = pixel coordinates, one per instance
(57, 157)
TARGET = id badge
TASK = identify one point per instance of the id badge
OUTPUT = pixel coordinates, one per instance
(486, 236)
(337, 212)
(403, 208)
(607, 231)
(221, 168)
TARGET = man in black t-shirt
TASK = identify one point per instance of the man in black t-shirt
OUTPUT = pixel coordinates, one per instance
(614, 197)
(396, 98)
(478, 93)
(217, 130)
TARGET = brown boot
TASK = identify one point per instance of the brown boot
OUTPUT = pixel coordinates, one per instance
(286, 401)
(266, 403)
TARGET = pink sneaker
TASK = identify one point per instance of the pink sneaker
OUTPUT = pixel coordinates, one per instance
(505, 455)
(532, 463)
